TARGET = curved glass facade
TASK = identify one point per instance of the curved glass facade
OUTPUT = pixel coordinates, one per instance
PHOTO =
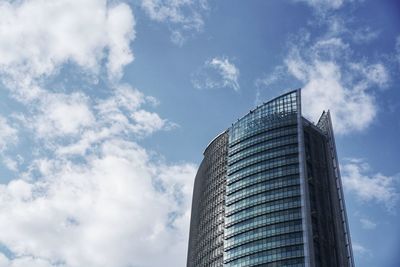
(263, 204)
(258, 197)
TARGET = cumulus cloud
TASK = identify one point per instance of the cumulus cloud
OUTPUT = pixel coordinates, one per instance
(118, 209)
(185, 16)
(333, 80)
(368, 187)
(46, 35)
(217, 72)
(62, 114)
(89, 194)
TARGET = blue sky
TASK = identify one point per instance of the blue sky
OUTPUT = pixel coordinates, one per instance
(107, 106)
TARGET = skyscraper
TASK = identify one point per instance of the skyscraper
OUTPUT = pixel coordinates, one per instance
(268, 193)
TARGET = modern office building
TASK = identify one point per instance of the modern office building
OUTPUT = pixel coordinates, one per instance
(268, 193)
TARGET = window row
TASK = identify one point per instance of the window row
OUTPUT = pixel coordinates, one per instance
(282, 104)
(261, 187)
(296, 262)
(283, 152)
(266, 147)
(244, 132)
(265, 244)
(209, 252)
(262, 198)
(268, 256)
(213, 258)
(282, 147)
(263, 232)
(263, 137)
(281, 204)
(273, 173)
(263, 166)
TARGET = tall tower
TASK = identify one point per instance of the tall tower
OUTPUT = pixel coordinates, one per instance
(268, 193)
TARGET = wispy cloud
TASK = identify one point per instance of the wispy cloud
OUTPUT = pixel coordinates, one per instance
(365, 35)
(341, 87)
(367, 224)
(322, 6)
(186, 16)
(268, 79)
(217, 72)
(332, 77)
(397, 50)
(361, 250)
(331, 73)
(367, 187)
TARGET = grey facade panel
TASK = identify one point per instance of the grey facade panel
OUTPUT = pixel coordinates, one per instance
(208, 205)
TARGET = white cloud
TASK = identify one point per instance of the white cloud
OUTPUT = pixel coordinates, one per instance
(374, 74)
(8, 134)
(177, 38)
(323, 5)
(367, 224)
(278, 73)
(333, 80)
(114, 211)
(89, 194)
(324, 8)
(3, 260)
(365, 35)
(62, 114)
(185, 15)
(176, 11)
(329, 48)
(333, 76)
(125, 97)
(10, 163)
(8, 137)
(397, 49)
(360, 249)
(120, 25)
(119, 205)
(366, 187)
(23, 261)
(147, 122)
(352, 109)
(46, 35)
(117, 116)
(228, 71)
(217, 72)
